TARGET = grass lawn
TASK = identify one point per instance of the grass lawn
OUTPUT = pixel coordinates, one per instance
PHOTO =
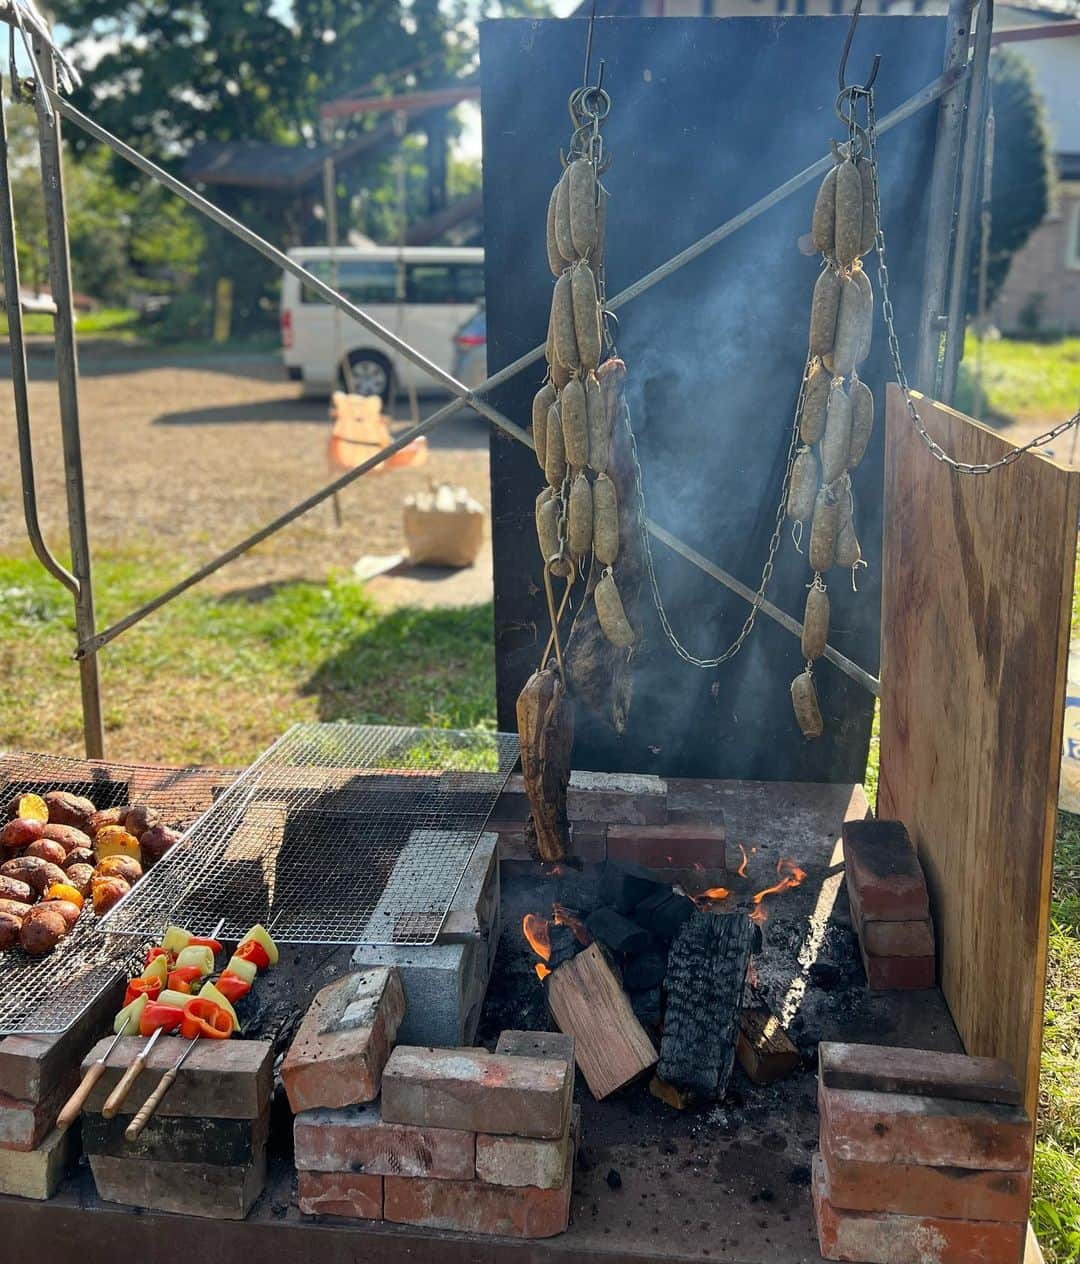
(1023, 381)
(110, 322)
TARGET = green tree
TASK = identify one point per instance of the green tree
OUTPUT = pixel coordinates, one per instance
(1022, 181)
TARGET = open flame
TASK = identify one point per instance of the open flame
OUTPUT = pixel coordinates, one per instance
(563, 917)
(790, 876)
(712, 895)
(741, 871)
(538, 932)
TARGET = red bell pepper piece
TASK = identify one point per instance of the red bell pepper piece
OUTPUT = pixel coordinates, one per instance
(212, 944)
(155, 1015)
(181, 979)
(251, 950)
(232, 986)
(153, 953)
(137, 987)
(203, 1018)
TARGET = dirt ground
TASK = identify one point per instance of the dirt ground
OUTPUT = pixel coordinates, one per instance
(184, 458)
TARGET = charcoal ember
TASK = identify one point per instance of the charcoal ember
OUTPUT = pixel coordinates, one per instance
(625, 885)
(645, 969)
(648, 1006)
(619, 933)
(706, 972)
(564, 945)
(663, 913)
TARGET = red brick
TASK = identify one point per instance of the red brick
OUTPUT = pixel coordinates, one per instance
(348, 1194)
(886, 1069)
(473, 1207)
(679, 846)
(950, 1193)
(900, 974)
(889, 1239)
(344, 1040)
(476, 1091)
(24, 1125)
(901, 1128)
(885, 880)
(524, 1160)
(356, 1139)
(898, 939)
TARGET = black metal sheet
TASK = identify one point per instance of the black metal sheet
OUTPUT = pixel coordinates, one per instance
(707, 117)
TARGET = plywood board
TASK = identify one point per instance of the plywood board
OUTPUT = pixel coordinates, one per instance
(977, 590)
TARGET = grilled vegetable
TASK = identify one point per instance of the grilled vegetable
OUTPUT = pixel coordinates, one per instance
(28, 807)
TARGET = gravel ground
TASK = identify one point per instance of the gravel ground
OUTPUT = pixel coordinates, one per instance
(184, 459)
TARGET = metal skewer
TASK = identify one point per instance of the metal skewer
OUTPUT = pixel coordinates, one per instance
(146, 1110)
(116, 1098)
(74, 1104)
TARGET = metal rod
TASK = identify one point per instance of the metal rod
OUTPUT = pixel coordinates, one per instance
(971, 158)
(67, 376)
(19, 376)
(939, 224)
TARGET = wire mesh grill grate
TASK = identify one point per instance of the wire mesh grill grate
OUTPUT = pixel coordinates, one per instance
(338, 834)
(47, 994)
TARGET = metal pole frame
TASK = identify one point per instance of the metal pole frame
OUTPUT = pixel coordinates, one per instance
(89, 640)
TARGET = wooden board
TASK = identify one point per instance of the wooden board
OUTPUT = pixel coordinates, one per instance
(977, 589)
(587, 1002)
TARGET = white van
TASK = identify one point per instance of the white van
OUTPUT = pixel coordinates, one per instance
(422, 294)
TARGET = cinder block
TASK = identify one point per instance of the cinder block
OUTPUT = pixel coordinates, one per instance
(884, 878)
(37, 1173)
(190, 1189)
(888, 1239)
(349, 1194)
(898, 939)
(669, 846)
(339, 1051)
(32, 1067)
(867, 1127)
(886, 1069)
(357, 1140)
(221, 1079)
(948, 1193)
(476, 1091)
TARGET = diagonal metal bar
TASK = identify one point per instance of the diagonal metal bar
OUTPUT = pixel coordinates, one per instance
(926, 96)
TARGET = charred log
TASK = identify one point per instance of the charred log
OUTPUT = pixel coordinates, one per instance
(706, 971)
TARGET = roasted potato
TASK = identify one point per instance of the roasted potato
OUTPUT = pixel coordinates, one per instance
(67, 909)
(38, 874)
(45, 849)
(28, 807)
(107, 892)
(119, 867)
(114, 840)
(68, 837)
(155, 843)
(80, 856)
(81, 877)
(69, 809)
(15, 907)
(10, 925)
(139, 819)
(14, 889)
(107, 816)
(42, 929)
(20, 833)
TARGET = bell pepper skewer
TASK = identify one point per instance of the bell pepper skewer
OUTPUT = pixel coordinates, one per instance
(116, 1098)
(74, 1104)
(146, 1110)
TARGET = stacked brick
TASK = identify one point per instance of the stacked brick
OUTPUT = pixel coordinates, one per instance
(459, 1139)
(37, 1075)
(890, 905)
(923, 1156)
(203, 1153)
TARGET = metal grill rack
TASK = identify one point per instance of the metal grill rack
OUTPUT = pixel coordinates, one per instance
(338, 834)
(47, 994)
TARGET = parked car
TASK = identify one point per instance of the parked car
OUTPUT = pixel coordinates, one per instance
(470, 350)
(422, 294)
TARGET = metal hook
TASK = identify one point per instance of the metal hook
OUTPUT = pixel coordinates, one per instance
(862, 87)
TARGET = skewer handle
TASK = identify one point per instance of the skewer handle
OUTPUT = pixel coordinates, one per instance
(146, 1110)
(116, 1098)
(75, 1102)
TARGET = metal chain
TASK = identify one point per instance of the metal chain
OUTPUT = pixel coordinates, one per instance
(767, 569)
(935, 449)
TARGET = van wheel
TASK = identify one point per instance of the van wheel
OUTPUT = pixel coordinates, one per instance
(369, 373)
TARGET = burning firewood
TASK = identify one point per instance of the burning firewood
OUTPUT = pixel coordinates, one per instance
(764, 1049)
(706, 971)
